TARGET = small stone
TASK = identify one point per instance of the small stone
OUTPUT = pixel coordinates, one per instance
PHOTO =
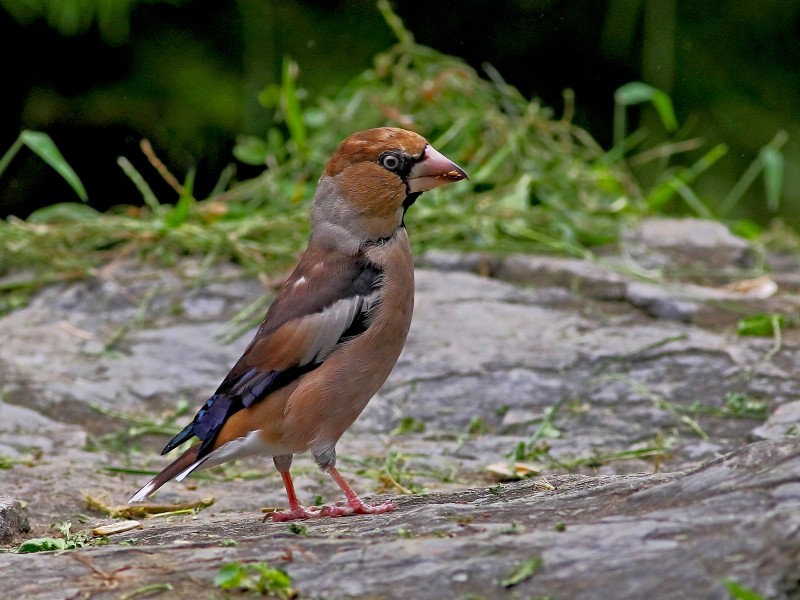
(585, 278)
(13, 520)
(783, 421)
(680, 243)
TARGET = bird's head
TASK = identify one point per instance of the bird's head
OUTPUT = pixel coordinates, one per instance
(372, 179)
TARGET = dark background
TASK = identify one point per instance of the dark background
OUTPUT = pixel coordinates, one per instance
(99, 76)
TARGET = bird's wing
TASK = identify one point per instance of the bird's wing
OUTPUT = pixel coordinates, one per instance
(327, 300)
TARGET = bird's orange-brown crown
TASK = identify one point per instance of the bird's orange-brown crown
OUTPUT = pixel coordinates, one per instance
(367, 145)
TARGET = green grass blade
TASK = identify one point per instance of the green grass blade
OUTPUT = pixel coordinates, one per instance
(10, 154)
(144, 189)
(637, 92)
(772, 162)
(291, 105)
(661, 194)
(738, 190)
(694, 202)
(180, 213)
(43, 146)
(395, 23)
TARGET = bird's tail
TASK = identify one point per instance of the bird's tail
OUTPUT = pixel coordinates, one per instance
(179, 468)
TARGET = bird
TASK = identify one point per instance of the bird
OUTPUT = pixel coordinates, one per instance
(335, 329)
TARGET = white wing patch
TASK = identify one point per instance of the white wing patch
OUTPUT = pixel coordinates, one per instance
(333, 322)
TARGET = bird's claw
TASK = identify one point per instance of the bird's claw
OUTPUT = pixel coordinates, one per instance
(329, 510)
(355, 508)
(293, 514)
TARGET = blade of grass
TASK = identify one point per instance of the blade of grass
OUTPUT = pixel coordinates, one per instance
(180, 213)
(770, 161)
(637, 92)
(661, 194)
(43, 146)
(291, 105)
(144, 189)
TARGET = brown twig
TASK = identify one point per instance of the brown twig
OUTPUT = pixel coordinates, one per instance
(159, 166)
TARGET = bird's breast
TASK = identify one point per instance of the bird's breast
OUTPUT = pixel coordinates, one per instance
(324, 406)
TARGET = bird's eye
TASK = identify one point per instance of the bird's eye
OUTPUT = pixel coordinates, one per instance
(389, 161)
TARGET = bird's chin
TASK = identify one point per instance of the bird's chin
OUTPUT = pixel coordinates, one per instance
(423, 184)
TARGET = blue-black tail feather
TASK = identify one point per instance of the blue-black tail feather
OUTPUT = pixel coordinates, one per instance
(233, 395)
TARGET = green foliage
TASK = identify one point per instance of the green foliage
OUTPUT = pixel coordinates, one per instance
(409, 424)
(742, 405)
(127, 440)
(536, 447)
(392, 472)
(676, 180)
(258, 578)
(637, 92)
(477, 426)
(740, 592)
(68, 541)
(762, 324)
(73, 17)
(537, 182)
(522, 573)
(43, 146)
(298, 529)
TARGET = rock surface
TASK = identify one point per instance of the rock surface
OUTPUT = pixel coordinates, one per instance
(733, 519)
(635, 399)
(13, 520)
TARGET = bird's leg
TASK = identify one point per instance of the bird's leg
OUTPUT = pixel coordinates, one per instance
(296, 510)
(355, 505)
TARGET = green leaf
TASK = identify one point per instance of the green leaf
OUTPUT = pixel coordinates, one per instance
(272, 579)
(230, 576)
(523, 572)
(63, 212)
(739, 592)
(765, 325)
(773, 162)
(749, 230)
(44, 147)
(251, 150)
(42, 545)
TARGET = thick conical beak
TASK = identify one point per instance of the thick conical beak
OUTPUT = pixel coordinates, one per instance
(433, 170)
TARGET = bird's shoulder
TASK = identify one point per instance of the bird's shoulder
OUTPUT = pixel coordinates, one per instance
(323, 278)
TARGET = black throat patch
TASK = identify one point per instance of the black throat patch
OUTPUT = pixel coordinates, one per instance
(410, 199)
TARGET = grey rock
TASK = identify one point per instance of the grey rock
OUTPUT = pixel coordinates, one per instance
(784, 420)
(585, 278)
(13, 520)
(621, 537)
(661, 303)
(618, 409)
(659, 243)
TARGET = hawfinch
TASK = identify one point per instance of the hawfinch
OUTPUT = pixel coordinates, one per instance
(334, 331)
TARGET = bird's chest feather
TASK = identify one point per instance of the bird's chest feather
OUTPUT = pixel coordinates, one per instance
(353, 374)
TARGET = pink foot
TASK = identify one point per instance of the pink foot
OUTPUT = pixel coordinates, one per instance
(299, 512)
(355, 507)
(329, 510)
